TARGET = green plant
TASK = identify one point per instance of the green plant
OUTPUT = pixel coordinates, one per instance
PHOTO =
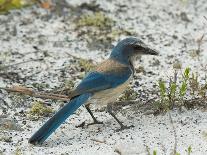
(163, 103)
(162, 89)
(18, 151)
(99, 30)
(176, 89)
(184, 83)
(154, 152)
(86, 65)
(167, 94)
(189, 150)
(6, 5)
(172, 92)
(98, 19)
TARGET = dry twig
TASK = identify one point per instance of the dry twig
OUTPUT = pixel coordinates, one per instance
(30, 92)
(99, 141)
(19, 63)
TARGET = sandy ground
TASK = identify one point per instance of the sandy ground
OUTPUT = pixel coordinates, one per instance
(170, 26)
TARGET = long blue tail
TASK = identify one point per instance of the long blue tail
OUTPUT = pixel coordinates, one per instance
(53, 123)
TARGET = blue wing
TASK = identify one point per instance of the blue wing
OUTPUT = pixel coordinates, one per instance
(97, 81)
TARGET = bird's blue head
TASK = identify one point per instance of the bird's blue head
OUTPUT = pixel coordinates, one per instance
(127, 49)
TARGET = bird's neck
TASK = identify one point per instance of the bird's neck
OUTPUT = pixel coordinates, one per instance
(124, 60)
(121, 59)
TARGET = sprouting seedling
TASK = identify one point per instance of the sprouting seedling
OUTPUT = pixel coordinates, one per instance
(183, 87)
(176, 88)
(164, 96)
(189, 150)
(154, 152)
(186, 74)
(162, 88)
(172, 91)
(173, 87)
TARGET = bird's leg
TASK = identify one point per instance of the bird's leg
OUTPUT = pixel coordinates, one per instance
(109, 110)
(95, 121)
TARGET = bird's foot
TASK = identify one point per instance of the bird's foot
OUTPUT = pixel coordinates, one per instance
(81, 125)
(95, 122)
(123, 127)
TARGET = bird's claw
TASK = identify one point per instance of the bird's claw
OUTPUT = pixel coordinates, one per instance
(95, 122)
(83, 124)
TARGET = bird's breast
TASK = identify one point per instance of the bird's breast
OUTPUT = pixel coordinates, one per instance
(109, 95)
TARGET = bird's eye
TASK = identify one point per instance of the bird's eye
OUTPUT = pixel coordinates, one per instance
(138, 48)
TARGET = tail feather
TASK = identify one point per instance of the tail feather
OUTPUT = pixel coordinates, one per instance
(54, 122)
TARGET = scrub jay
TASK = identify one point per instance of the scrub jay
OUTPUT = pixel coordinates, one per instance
(101, 86)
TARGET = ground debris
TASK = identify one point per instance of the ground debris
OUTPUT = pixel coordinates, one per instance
(9, 124)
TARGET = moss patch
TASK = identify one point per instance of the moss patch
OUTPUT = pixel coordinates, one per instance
(6, 5)
(39, 109)
(99, 30)
(98, 19)
(18, 151)
(85, 65)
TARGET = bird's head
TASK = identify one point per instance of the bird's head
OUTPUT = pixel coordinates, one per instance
(129, 48)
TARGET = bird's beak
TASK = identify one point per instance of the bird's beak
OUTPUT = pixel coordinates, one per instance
(150, 51)
(145, 50)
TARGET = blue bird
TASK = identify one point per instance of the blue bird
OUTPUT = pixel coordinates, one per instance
(101, 86)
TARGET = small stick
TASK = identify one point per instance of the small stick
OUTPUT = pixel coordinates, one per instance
(19, 63)
(30, 92)
(99, 141)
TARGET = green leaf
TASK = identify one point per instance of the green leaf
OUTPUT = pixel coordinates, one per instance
(6, 5)
(187, 73)
(162, 88)
(183, 89)
(189, 150)
(173, 88)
